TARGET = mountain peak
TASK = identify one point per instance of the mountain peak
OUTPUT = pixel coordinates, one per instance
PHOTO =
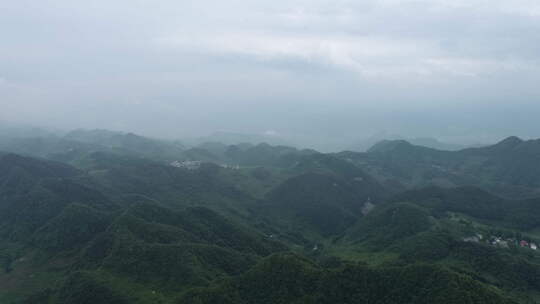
(510, 141)
(389, 145)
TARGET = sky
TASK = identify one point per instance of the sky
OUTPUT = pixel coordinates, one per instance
(319, 73)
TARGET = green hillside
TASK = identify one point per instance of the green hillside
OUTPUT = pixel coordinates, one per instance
(126, 220)
(509, 168)
(291, 279)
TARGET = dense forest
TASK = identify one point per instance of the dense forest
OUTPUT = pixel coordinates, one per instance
(107, 217)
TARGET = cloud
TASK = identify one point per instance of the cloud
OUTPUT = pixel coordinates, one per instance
(343, 51)
(371, 57)
(382, 39)
(320, 66)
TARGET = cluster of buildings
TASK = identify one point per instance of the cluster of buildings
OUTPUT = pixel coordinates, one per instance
(367, 207)
(187, 164)
(531, 245)
(500, 242)
(196, 164)
(233, 167)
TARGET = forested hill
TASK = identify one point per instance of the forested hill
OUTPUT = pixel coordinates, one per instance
(103, 217)
(509, 168)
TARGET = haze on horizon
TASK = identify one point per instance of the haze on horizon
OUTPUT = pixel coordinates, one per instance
(318, 73)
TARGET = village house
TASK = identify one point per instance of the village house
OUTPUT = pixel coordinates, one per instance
(187, 164)
(368, 207)
(233, 167)
(473, 239)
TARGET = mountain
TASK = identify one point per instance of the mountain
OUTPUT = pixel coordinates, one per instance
(147, 253)
(33, 192)
(128, 143)
(328, 195)
(79, 143)
(123, 221)
(263, 154)
(247, 155)
(509, 168)
(513, 214)
(56, 223)
(436, 144)
(389, 146)
(291, 279)
(328, 204)
(232, 138)
(465, 229)
(428, 142)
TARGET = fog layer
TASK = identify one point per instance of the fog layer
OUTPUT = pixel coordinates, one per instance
(318, 73)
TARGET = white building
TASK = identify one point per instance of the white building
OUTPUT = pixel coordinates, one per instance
(187, 164)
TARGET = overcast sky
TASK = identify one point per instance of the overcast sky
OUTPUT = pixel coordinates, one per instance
(317, 70)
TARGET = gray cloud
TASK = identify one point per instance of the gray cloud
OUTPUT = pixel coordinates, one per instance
(314, 69)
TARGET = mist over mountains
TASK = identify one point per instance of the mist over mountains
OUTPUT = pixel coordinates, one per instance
(270, 152)
(320, 143)
(112, 217)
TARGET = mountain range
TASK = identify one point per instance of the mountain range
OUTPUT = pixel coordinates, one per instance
(107, 217)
